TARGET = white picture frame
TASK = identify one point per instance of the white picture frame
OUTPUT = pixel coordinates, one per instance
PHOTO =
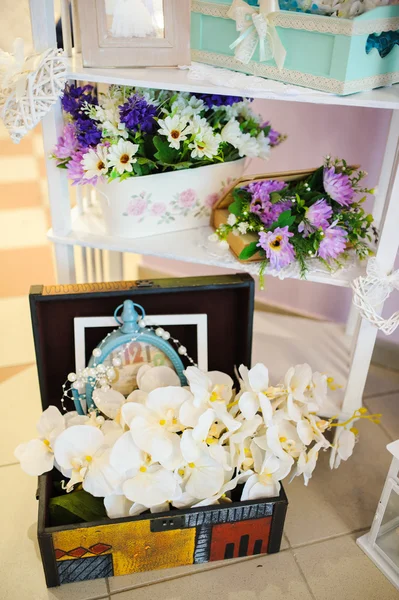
(200, 320)
(129, 43)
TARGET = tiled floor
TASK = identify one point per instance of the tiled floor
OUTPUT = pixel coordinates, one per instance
(319, 559)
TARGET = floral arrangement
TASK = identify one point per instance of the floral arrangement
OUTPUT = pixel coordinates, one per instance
(319, 217)
(169, 446)
(129, 132)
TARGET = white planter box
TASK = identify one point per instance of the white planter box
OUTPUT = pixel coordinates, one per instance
(154, 204)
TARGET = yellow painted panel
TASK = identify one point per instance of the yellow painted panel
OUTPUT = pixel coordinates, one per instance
(134, 546)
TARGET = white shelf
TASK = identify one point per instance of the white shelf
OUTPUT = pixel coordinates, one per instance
(178, 79)
(189, 246)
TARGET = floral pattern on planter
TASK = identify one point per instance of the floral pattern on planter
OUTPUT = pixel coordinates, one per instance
(184, 204)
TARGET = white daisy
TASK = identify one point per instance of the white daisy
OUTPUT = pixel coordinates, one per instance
(248, 146)
(175, 128)
(205, 145)
(199, 126)
(242, 228)
(194, 107)
(95, 162)
(243, 109)
(231, 133)
(121, 156)
(114, 129)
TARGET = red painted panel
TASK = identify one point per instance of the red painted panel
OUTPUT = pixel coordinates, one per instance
(231, 533)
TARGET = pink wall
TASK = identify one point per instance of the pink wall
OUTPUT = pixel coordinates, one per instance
(356, 134)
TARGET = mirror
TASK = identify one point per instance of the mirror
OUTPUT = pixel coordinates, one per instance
(135, 18)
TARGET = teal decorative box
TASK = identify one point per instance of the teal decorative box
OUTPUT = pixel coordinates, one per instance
(324, 53)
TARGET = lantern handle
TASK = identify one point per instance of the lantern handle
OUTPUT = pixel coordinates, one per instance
(129, 317)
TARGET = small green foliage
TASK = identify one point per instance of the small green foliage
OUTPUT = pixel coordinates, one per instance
(249, 251)
(285, 219)
(76, 507)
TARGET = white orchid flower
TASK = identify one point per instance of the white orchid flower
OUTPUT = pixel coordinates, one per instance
(37, 456)
(282, 439)
(343, 447)
(152, 486)
(266, 483)
(184, 500)
(255, 392)
(154, 426)
(112, 431)
(81, 453)
(73, 418)
(230, 485)
(318, 394)
(151, 378)
(298, 381)
(240, 440)
(311, 428)
(109, 402)
(307, 462)
(145, 484)
(118, 506)
(210, 390)
(203, 475)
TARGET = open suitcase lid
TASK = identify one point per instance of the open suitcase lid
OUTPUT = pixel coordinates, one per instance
(227, 300)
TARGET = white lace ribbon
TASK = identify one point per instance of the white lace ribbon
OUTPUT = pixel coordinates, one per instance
(255, 27)
(371, 290)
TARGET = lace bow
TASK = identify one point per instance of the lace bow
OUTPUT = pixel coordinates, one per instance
(371, 290)
(255, 26)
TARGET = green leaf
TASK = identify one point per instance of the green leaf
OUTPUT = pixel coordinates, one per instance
(275, 197)
(285, 219)
(165, 154)
(235, 208)
(144, 161)
(316, 180)
(76, 507)
(249, 251)
(182, 165)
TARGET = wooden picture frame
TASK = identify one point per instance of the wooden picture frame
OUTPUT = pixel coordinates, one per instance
(113, 34)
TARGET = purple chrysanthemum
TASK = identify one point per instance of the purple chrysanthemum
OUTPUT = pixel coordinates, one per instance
(333, 243)
(261, 190)
(138, 114)
(272, 212)
(74, 97)
(273, 135)
(261, 204)
(277, 246)
(338, 186)
(75, 170)
(317, 216)
(87, 132)
(212, 100)
(67, 143)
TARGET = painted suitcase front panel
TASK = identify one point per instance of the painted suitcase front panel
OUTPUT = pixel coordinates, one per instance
(133, 546)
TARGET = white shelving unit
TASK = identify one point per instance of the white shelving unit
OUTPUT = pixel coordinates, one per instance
(82, 226)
